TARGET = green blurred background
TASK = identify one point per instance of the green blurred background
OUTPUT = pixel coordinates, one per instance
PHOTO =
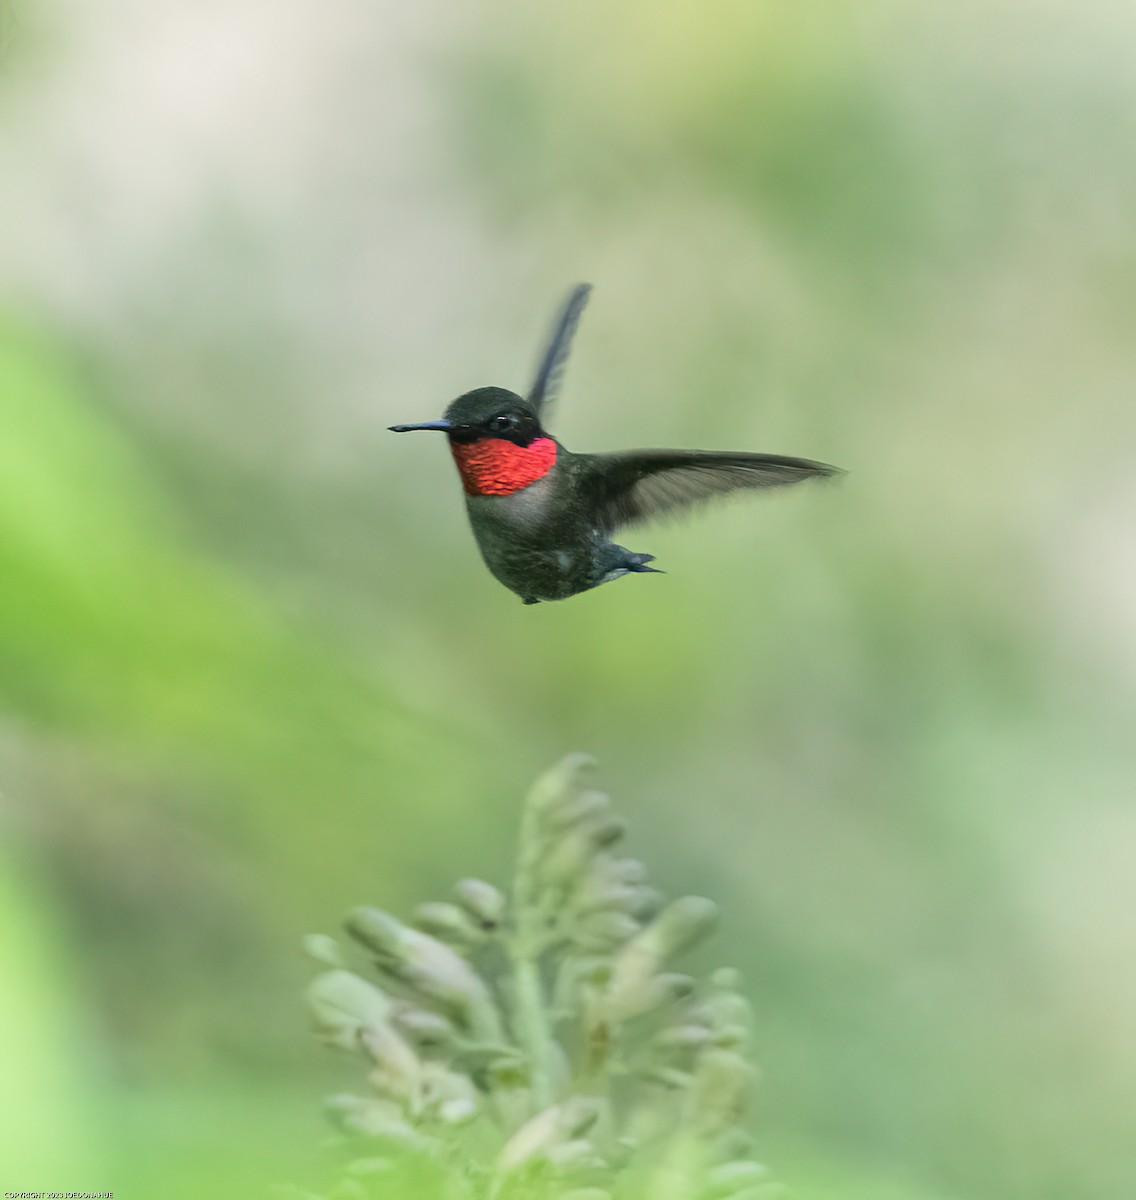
(253, 672)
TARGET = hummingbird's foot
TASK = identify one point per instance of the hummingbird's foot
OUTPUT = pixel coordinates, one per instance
(529, 600)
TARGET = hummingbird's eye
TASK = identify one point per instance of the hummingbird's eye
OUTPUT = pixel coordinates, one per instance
(501, 421)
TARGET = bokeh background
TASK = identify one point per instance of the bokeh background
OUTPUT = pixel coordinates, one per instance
(253, 672)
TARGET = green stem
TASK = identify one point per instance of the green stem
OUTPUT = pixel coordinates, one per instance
(533, 1029)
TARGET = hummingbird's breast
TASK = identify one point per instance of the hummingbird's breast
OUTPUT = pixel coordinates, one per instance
(529, 541)
(524, 515)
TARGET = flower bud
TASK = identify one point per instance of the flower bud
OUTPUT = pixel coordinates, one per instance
(556, 1125)
(424, 1027)
(673, 986)
(609, 896)
(732, 1036)
(635, 995)
(457, 1111)
(698, 1013)
(732, 1015)
(582, 807)
(573, 851)
(567, 860)
(683, 1037)
(576, 1153)
(532, 1138)
(628, 871)
(644, 902)
(378, 931)
(399, 1069)
(604, 930)
(578, 1114)
(608, 883)
(669, 1077)
(681, 925)
(449, 1094)
(485, 903)
(376, 1117)
(576, 976)
(560, 784)
(606, 832)
(722, 1084)
(428, 965)
(323, 949)
(341, 1003)
(448, 922)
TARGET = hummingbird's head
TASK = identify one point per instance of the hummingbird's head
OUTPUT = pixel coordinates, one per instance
(488, 412)
(495, 413)
(496, 440)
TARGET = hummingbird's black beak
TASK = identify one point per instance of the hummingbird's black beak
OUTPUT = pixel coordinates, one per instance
(444, 426)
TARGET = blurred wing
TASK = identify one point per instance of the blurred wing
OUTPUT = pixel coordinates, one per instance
(551, 369)
(627, 488)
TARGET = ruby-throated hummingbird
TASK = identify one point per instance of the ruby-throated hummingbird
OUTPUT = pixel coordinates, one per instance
(542, 515)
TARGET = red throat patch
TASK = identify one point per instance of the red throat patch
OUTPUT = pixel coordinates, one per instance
(497, 467)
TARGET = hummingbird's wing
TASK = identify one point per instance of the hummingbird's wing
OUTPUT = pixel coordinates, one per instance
(623, 489)
(551, 368)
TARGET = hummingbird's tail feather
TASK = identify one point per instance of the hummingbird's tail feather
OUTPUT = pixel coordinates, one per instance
(618, 561)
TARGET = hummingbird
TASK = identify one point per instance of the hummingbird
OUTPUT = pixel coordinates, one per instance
(543, 515)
